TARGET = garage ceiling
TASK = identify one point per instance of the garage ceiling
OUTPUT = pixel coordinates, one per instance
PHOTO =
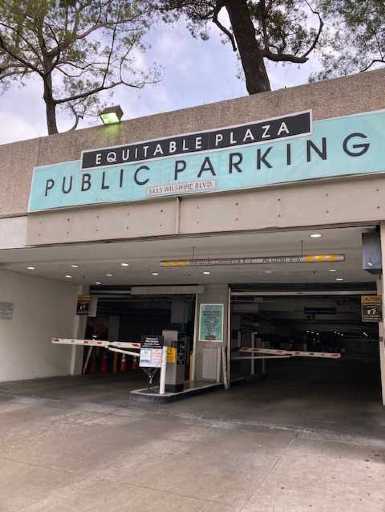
(102, 262)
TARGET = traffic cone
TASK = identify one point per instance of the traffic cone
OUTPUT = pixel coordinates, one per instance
(123, 363)
(104, 364)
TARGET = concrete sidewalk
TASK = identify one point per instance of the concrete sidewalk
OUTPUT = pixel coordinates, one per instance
(76, 445)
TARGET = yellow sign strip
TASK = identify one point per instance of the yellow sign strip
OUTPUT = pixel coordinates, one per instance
(253, 260)
(175, 263)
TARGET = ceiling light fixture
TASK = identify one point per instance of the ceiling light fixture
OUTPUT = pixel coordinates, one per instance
(108, 275)
(316, 235)
(332, 270)
(206, 273)
(268, 271)
(68, 276)
(75, 266)
(155, 273)
(98, 283)
(124, 264)
(31, 268)
(339, 278)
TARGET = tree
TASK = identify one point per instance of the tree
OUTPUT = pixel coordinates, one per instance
(77, 48)
(275, 30)
(356, 39)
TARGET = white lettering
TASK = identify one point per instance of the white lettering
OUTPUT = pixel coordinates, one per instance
(198, 143)
(266, 134)
(283, 128)
(125, 155)
(98, 159)
(232, 140)
(248, 135)
(111, 157)
(145, 149)
(172, 146)
(218, 138)
(158, 149)
(184, 147)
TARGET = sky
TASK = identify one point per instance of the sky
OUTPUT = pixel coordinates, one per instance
(194, 72)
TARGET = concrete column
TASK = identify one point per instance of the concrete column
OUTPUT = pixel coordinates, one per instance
(79, 331)
(209, 363)
(380, 290)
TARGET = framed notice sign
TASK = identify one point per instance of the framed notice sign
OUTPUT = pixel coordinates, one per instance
(83, 304)
(211, 322)
(151, 353)
(371, 308)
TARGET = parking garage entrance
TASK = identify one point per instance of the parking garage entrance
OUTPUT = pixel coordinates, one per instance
(130, 315)
(306, 341)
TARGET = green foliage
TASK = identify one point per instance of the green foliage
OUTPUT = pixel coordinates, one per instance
(78, 48)
(284, 30)
(355, 40)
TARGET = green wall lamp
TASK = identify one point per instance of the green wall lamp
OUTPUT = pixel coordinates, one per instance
(111, 115)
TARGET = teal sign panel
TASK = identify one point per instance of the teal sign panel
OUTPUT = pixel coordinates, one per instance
(211, 322)
(342, 146)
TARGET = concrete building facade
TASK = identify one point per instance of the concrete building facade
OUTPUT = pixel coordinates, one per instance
(253, 177)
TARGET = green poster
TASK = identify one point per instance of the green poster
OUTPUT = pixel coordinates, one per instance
(211, 322)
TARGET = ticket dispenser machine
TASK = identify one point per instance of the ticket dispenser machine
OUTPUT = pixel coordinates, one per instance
(176, 361)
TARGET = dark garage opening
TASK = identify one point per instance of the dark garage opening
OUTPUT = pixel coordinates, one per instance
(312, 323)
(129, 318)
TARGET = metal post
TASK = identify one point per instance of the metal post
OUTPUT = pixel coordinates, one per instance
(263, 360)
(79, 329)
(195, 339)
(162, 381)
(219, 361)
(252, 362)
(85, 367)
(381, 333)
(228, 373)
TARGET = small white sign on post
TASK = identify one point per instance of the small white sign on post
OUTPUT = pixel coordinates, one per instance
(150, 358)
(151, 353)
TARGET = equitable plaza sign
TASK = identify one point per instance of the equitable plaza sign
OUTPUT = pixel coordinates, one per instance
(273, 129)
(281, 150)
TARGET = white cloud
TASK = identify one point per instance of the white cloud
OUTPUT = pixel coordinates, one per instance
(17, 127)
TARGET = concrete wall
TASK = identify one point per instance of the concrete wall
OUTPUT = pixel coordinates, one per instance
(13, 232)
(42, 308)
(326, 203)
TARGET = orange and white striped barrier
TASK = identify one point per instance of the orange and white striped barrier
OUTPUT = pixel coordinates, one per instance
(122, 347)
(290, 353)
(96, 343)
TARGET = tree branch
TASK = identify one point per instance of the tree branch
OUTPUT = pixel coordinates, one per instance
(320, 28)
(283, 57)
(100, 88)
(27, 64)
(24, 39)
(374, 61)
(77, 118)
(218, 7)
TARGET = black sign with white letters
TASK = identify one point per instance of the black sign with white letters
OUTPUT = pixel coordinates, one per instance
(292, 125)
